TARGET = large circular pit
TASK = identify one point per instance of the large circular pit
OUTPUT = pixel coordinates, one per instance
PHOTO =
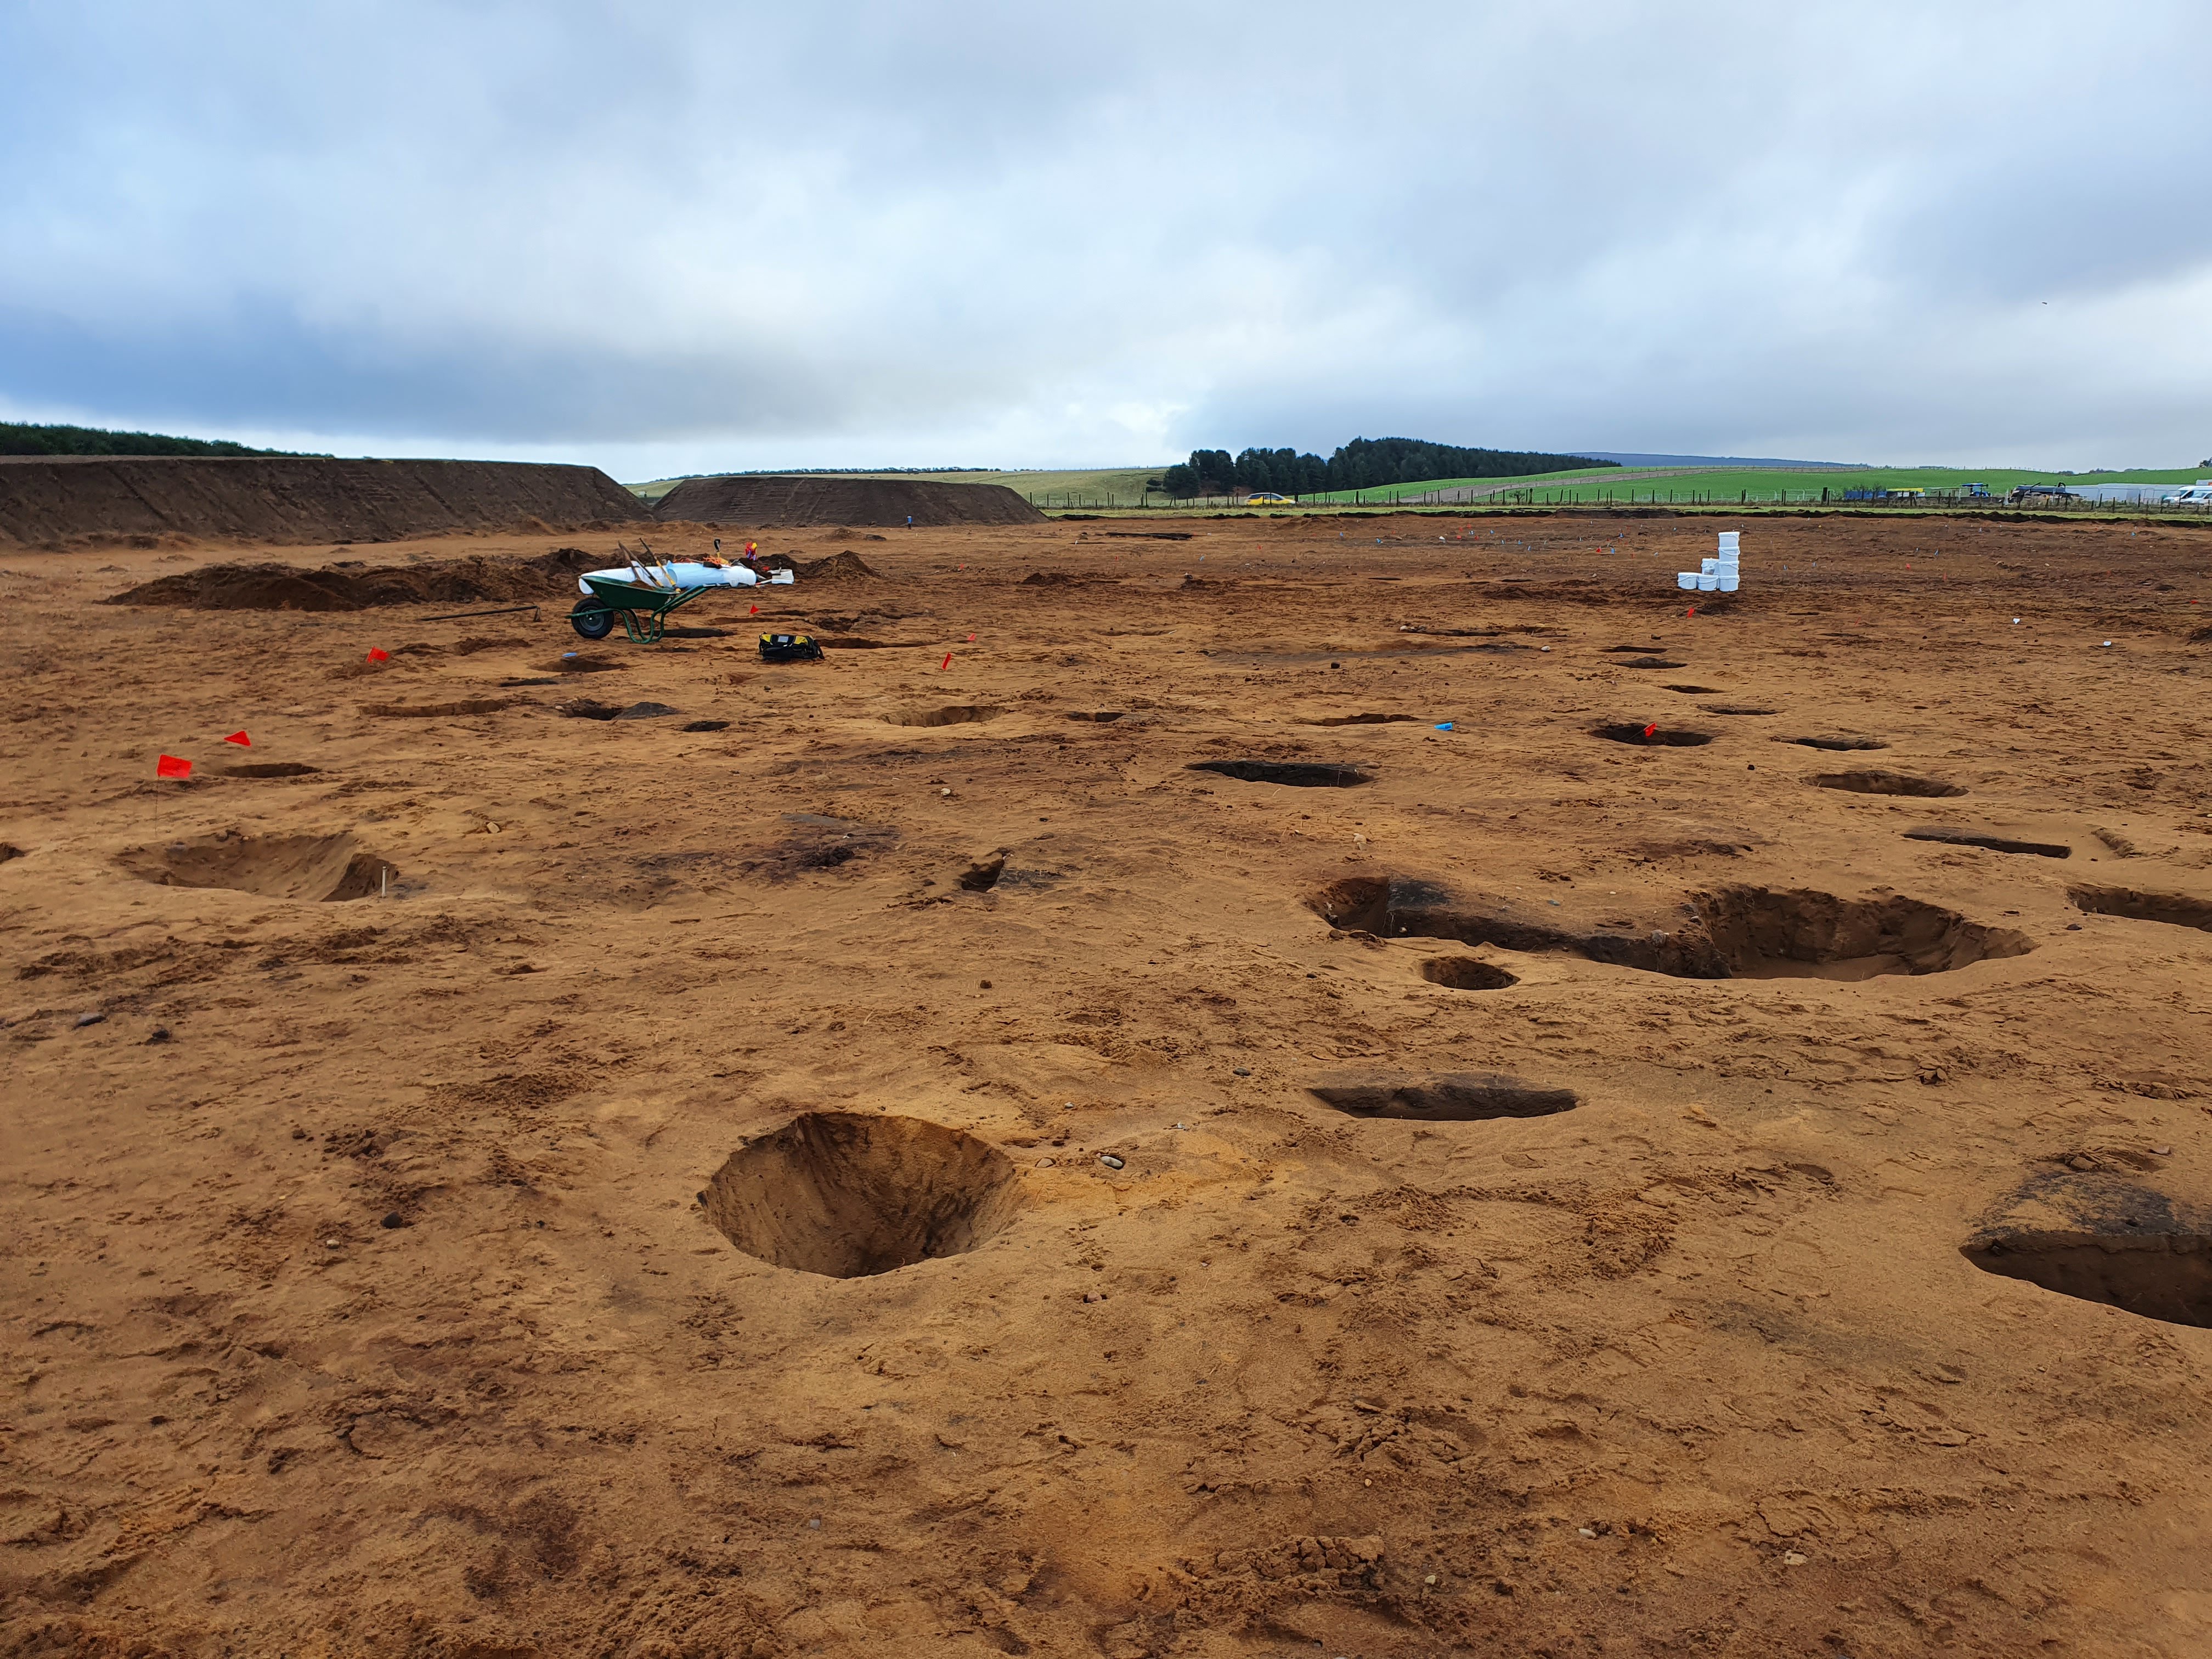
(848, 1195)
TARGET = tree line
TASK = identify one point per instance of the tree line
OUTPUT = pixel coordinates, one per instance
(17, 438)
(1363, 464)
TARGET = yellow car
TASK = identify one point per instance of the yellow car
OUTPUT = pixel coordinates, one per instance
(1270, 495)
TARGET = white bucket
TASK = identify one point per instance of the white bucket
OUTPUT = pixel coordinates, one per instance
(1728, 583)
(1687, 579)
(1708, 584)
(1728, 540)
(1707, 566)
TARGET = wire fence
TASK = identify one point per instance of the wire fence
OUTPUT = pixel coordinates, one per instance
(1565, 497)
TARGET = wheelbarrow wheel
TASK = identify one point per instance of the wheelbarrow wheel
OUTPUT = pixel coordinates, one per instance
(592, 619)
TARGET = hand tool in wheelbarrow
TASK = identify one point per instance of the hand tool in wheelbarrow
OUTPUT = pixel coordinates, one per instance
(641, 595)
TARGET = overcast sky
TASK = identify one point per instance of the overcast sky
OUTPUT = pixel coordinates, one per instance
(677, 237)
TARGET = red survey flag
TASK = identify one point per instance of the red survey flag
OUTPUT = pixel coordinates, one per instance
(378, 654)
(946, 664)
(172, 766)
(240, 739)
(1650, 732)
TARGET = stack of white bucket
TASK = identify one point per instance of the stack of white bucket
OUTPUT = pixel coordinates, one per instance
(1717, 575)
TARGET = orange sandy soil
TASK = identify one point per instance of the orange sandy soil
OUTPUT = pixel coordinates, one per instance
(1697, 1366)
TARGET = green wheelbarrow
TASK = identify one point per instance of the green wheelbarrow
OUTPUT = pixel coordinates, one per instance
(642, 607)
(643, 592)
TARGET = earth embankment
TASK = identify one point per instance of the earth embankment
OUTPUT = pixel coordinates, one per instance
(355, 586)
(763, 502)
(53, 499)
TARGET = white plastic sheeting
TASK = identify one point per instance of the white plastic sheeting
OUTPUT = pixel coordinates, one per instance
(685, 574)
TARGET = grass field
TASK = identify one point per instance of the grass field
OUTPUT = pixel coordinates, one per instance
(1721, 485)
(1107, 489)
(1101, 487)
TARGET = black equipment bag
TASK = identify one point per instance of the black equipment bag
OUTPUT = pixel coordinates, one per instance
(789, 648)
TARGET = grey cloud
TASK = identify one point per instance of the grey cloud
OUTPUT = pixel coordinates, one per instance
(777, 234)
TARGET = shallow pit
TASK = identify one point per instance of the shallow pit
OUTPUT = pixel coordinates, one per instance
(271, 770)
(2176, 909)
(983, 874)
(1839, 744)
(1298, 774)
(848, 1194)
(2048, 849)
(590, 708)
(2105, 1239)
(323, 868)
(1876, 782)
(1724, 707)
(1732, 932)
(964, 713)
(439, 710)
(1651, 735)
(1761, 933)
(1466, 973)
(1097, 716)
(1401, 907)
(1693, 691)
(1653, 662)
(1362, 719)
(1447, 1098)
(706, 725)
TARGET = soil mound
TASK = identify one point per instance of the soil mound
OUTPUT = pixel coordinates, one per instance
(304, 500)
(764, 502)
(847, 566)
(291, 588)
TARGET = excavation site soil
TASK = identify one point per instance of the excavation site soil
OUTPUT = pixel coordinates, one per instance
(1336, 1086)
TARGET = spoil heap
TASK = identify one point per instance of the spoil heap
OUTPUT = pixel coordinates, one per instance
(292, 501)
(341, 587)
(807, 500)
